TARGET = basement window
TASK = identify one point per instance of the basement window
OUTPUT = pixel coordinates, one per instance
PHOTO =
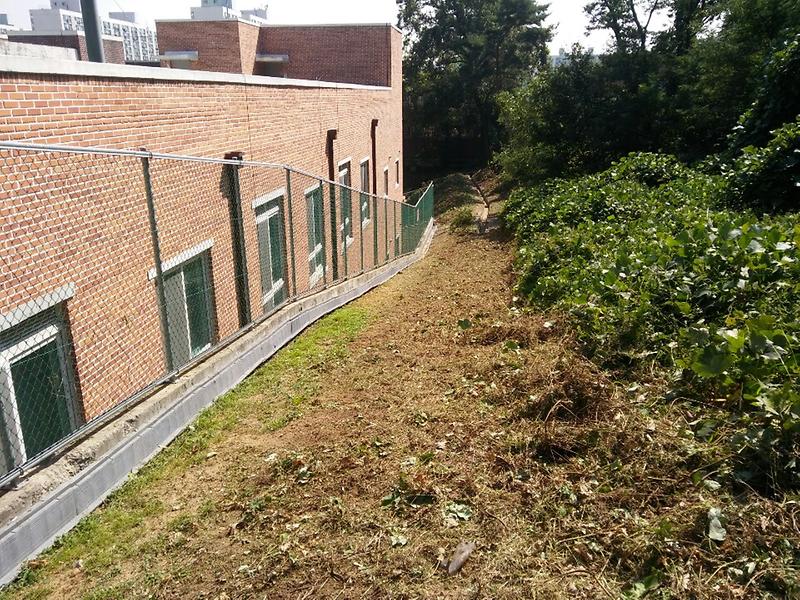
(272, 65)
(187, 287)
(38, 401)
(180, 59)
(315, 223)
(271, 249)
(345, 182)
(365, 212)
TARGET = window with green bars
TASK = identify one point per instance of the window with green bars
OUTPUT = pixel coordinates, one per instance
(316, 240)
(346, 226)
(271, 250)
(365, 211)
(38, 400)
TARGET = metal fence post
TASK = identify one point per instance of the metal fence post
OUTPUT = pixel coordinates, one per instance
(375, 231)
(160, 294)
(324, 241)
(334, 224)
(291, 228)
(394, 226)
(361, 227)
(386, 229)
(344, 229)
(239, 251)
(93, 28)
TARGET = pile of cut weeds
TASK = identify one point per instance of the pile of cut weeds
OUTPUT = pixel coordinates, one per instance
(621, 486)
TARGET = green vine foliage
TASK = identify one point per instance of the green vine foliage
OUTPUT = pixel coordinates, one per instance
(655, 268)
(768, 178)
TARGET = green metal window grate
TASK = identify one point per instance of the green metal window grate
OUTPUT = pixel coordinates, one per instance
(180, 249)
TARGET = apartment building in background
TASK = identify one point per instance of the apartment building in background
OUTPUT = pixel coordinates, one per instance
(5, 26)
(215, 10)
(64, 20)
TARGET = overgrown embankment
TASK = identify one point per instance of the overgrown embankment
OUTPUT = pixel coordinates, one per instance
(666, 286)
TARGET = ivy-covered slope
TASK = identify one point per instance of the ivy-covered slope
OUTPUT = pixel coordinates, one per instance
(655, 271)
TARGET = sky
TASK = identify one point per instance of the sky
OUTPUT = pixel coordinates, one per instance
(566, 15)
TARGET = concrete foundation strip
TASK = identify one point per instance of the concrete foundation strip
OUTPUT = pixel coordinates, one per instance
(26, 536)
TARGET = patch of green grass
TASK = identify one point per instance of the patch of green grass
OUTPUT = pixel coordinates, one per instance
(452, 192)
(117, 530)
(281, 421)
(116, 592)
(182, 523)
(38, 593)
(206, 509)
(462, 219)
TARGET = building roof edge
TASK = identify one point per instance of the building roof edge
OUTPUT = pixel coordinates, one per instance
(38, 66)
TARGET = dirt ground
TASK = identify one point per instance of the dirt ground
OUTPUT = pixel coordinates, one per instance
(448, 416)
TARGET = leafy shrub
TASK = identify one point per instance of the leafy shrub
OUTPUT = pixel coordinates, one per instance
(461, 219)
(764, 148)
(777, 101)
(768, 178)
(654, 273)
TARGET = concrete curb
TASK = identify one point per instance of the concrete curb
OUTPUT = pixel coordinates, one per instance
(164, 416)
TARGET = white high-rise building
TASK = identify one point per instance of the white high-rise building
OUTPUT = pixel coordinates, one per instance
(226, 3)
(73, 5)
(5, 26)
(222, 10)
(139, 42)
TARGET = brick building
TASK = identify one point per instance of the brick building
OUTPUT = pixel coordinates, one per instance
(78, 299)
(76, 40)
(339, 53)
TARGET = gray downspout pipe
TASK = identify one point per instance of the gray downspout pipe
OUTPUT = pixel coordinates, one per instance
(93, 28)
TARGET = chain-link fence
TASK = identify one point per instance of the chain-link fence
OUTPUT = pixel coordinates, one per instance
(120, 269)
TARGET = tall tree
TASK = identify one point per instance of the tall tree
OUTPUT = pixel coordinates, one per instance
(460, 55)
(628, 20)
(689, 18)
(679, 91)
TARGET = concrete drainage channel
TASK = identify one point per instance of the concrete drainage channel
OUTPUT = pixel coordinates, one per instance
(60, 495)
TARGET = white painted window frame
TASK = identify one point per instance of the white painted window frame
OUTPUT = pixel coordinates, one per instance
(36, 306)
(276, 287)
(319, 271)
(266, 198)
(316, 275)
(183, 257)
(347, 242)
(48, 333)
(266, 216)
(364, 222)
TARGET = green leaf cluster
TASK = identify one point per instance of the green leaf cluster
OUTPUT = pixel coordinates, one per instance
(656, 271)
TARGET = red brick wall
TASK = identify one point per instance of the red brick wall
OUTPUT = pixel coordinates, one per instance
(347, 54)
(352, 54)
(224, 46)
(112, 48)
(248, 43)
(82, 219)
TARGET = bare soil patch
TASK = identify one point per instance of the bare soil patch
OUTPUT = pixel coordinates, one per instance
(451, 416)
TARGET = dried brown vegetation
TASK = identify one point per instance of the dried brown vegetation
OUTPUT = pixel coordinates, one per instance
(451, 416)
